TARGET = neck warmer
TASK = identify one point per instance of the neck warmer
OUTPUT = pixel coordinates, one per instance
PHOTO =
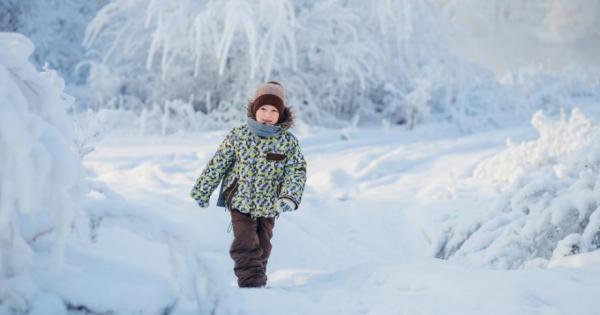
(261, 130)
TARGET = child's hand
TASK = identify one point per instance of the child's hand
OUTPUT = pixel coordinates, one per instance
(202, 204)
(284, 205)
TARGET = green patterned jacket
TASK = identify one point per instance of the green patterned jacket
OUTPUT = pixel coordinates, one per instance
(264, 169)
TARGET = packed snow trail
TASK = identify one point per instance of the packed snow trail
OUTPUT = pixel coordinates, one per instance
(357, 245)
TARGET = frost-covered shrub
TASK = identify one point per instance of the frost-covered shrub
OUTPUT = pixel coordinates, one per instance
(550, 205)
(339, 60)
(55, 27)
(44, 208)
(393, 61)
(216, 52)
(41, 176)
(9, 15)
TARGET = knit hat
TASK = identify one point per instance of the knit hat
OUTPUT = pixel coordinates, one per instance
(270, 93)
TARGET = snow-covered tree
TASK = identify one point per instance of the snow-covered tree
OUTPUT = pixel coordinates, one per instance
(388, 60)
(392, 61)
(41, 176)
(55, 27)
(341, 58)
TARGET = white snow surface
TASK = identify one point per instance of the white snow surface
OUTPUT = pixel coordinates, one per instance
(363, 241)
(517, 220)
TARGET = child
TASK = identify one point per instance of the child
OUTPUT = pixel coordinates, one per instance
(263, 173)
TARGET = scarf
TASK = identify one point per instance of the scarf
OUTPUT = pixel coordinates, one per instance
(261, 130)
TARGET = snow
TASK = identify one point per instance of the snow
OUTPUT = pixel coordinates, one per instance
(576, 261)
(398, 62)
(431, 220)
(41, 176)
(548, 197)
(362, 241)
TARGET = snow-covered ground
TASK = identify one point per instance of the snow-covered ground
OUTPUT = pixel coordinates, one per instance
(360, 244)
(517, 221)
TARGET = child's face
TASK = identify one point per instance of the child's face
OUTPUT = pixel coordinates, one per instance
(267, 114)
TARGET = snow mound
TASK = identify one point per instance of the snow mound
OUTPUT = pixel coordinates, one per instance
(550, 201)
(41, 176)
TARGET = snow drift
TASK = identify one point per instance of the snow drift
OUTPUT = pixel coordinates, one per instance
(41, 176)
(550, 199)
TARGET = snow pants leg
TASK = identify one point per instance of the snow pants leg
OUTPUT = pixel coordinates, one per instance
(250, 248)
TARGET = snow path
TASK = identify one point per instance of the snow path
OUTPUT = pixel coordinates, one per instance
(358, 244)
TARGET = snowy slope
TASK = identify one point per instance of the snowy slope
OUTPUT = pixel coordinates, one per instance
(363, 241)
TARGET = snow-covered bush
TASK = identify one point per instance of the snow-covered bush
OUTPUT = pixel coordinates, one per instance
(45, 203)
(550, 204)
(56, 29)
(41, 176)
(216, 52)
(393, 61)
(338, 59)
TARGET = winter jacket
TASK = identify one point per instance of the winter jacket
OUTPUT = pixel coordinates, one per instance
(264, 169)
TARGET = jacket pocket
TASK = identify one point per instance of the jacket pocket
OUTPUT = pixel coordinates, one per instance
(229, 192)
(272, 156)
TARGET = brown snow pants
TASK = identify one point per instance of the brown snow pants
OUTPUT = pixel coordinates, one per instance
(250, 248)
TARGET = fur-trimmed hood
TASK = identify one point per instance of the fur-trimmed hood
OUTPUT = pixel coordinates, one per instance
(287, 121)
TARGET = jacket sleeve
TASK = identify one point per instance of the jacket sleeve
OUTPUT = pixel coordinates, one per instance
(215, 170)
(294, 175)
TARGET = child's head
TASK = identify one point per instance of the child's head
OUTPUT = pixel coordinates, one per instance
(268, 104)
